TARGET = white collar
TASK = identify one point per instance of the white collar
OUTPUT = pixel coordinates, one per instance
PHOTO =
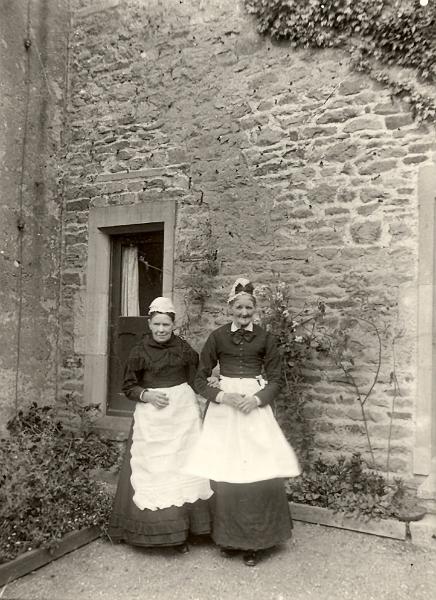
(249, 327)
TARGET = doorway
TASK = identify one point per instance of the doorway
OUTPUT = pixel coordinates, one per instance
(136, 279)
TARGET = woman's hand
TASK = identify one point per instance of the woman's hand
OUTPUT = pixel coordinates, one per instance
(247, 404)
(213, 382)
(243, 403)
(158, 399)
(232, 399)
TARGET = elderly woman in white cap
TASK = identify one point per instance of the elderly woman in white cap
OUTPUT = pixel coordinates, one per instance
(155, 503)
(242, 449)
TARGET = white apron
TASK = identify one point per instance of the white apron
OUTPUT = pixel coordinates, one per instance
(161, 441)
(241, 448)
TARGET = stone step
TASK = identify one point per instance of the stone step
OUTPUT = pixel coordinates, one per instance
(429, 504)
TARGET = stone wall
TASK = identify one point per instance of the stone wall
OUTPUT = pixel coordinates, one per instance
(31, 107)
(285, 165)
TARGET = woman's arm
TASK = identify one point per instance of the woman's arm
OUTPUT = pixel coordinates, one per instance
(130, 386)
(191, 365)
(208, 360)
(273, 372)
(133, 374)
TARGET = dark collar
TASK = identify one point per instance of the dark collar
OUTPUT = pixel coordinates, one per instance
(152, 343)
(242, 334)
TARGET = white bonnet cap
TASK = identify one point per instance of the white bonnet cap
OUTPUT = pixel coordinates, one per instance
(161, 305)
(241, 286)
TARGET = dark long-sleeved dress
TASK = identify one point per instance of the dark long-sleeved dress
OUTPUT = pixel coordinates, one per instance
(245, 455)
(156, 504)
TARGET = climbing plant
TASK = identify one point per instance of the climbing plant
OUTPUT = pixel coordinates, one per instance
(310, 340)
(352, 350)
(297, 333)
(377, 33)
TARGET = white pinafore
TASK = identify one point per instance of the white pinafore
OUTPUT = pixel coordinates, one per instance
(162, 439)
(241, 448)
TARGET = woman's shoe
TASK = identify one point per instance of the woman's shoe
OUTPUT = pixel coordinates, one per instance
(183, 548)
(250, 558)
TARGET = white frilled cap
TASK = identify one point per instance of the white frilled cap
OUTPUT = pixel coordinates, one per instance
(241, 286)
(161, 305)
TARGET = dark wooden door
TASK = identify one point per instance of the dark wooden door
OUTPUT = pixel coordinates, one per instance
(126, 331)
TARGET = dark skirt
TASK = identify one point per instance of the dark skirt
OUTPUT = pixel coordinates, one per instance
(250, 516)
(164, 527)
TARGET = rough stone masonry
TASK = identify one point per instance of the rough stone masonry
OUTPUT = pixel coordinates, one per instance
(286, 163)
(33, 50)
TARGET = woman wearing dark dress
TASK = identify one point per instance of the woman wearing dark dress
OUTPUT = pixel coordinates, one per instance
(242, 449)
(155, 503)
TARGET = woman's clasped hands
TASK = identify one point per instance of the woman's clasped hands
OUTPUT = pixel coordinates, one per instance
(243, 403)
(156, 398)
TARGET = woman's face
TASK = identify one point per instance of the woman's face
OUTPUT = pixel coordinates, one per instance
(161, 326)
(242, 310)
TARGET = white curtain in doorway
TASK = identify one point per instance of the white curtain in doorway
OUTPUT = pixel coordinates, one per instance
(129, 282)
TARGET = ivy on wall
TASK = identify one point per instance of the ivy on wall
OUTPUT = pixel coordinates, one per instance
(377, 33)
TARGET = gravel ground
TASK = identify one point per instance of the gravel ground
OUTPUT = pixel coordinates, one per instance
(319, 563)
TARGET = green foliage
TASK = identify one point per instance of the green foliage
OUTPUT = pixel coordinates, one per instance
(46, 489)
(319, 24)
(346, 485)
(374, 31)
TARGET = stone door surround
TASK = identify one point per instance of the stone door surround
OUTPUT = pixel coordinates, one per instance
(104, 222)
